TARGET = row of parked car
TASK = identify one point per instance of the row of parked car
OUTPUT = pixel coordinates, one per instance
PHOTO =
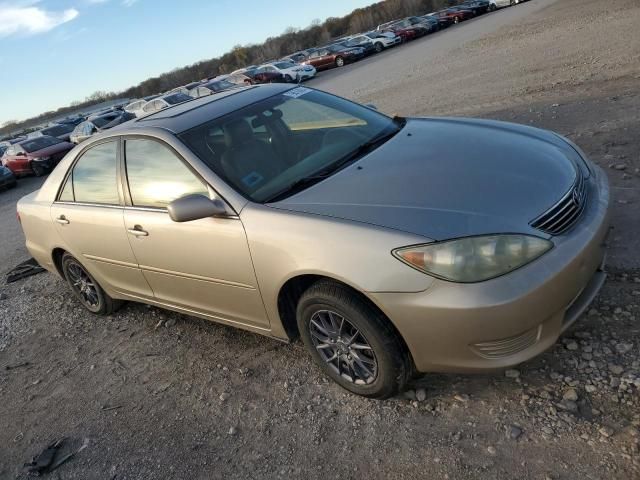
(40, 151)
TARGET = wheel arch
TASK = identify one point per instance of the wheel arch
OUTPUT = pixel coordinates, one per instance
(291, 291)
(56, 256)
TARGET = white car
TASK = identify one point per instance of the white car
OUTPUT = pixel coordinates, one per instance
(135, 107)
(382, 40)
(495, 4)
(293, 72)
(163, 102)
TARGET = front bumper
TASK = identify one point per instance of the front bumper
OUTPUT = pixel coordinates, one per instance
(505, 321)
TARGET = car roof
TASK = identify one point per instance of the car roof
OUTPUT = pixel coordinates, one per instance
(186, 115)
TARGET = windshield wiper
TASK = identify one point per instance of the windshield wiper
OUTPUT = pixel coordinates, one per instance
(334, 167)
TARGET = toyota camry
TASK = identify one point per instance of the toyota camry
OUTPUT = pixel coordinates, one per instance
(391, 246)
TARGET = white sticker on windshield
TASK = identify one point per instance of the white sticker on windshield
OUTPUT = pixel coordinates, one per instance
(297, 92)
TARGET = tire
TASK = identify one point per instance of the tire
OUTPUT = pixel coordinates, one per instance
(492, 7)
(379, 367)
(38, 171)
(339, 62)
(456, 20)
(288, 78)
(97, 301)
(378, 47)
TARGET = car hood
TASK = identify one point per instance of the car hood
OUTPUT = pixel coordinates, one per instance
(446, 178)
(52, 150)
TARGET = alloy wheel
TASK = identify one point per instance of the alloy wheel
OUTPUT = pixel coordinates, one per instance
(83, 285)
(343, 347)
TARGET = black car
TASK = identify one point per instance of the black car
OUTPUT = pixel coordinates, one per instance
(366, 45)
(430, 23)
(478, 7)
(7, 178)
(61, 131)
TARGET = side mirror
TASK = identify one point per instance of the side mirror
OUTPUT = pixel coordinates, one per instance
(195, 207)
(371, 106)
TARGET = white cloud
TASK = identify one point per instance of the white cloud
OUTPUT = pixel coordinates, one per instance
(30, 19)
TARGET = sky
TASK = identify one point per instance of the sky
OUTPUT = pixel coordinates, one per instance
(53, 52)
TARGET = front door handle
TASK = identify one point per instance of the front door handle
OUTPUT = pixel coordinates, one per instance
(137, 231)
(62, 220)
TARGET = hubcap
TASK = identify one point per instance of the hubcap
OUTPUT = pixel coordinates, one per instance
(83, 285)
(343, 347)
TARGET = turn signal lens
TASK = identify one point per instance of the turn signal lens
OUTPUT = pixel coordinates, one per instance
(474, 259)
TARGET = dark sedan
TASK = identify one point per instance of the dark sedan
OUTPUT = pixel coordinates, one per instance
(36, 156)
(7, 178)
(61, 131)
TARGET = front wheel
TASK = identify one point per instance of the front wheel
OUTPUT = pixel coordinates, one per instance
(339, 62)
(86, 289)
(456, 20)
(352, 342)
(38, 170)
(378, 47)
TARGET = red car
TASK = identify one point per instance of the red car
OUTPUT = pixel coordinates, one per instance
(404, 30)
(333, 56)
(35, 156)
(456, 15)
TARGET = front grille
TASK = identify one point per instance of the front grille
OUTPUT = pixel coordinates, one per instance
(563, 215)
(506, 347)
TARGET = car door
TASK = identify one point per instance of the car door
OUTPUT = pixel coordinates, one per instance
(203, 266)
(88, 216)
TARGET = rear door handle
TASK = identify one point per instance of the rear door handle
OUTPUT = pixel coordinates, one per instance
(62, 220)
(137, 231)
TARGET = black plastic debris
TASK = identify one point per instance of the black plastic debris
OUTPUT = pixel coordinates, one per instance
(45, 462)
(23, 270)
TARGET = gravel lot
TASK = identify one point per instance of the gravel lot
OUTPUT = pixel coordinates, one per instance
(161, 395)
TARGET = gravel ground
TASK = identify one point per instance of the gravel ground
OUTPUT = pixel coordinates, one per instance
(161, 395)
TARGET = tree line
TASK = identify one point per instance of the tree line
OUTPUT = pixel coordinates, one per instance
(292, 40)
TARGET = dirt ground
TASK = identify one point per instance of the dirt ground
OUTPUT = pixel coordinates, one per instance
(159, 395)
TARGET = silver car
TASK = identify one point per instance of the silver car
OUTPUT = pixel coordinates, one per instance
(389, 245)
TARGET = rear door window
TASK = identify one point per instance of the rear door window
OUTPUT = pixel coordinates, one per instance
(94, 177)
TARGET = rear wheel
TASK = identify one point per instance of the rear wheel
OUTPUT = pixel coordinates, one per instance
(492, 7)
(352, 342)
(456, 20)
(378, 47)
(339, 62)
(86, 289)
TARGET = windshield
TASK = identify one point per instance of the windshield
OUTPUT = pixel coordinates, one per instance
(102, 121)
(335, 48)
(39, 143)
(266, 148)
(57, 130)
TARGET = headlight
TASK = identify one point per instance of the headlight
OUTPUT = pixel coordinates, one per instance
(474, 259)
(41, 159)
